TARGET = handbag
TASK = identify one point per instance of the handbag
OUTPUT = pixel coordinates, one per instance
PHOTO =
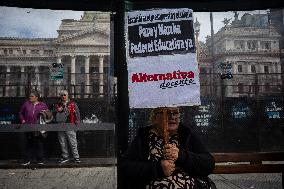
(45, 117)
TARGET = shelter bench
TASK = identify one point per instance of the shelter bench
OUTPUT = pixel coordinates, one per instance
(255, 162)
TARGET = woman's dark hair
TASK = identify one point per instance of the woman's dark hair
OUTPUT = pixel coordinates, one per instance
(36, 93)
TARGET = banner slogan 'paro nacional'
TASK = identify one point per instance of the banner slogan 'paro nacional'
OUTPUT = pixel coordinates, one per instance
(161, 58)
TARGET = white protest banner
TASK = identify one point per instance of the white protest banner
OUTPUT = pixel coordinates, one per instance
(161, 58)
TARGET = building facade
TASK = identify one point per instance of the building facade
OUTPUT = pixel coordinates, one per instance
(82, 47)
(250, 46)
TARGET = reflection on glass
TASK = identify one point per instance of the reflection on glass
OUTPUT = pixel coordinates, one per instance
(248, 41)
(55, 48)
(52, 51)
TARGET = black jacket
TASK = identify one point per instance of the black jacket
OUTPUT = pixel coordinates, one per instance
(137, 171)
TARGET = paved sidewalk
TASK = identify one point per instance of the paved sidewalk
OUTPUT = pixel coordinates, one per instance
(59, 178)
(105, 178)
(248, 181)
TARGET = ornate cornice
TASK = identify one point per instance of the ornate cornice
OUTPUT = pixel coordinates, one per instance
(27, 58)
(92, 30)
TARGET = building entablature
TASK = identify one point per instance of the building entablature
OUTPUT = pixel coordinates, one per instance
(10, 41)
(246, 33)
(248, 54)
(246, 58)
(223, 39)
(26, 58)
(71, 24)
(82, 33)
(70, 54)
(275, 52)
(19, 56)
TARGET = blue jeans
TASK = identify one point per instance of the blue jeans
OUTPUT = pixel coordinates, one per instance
(68, 138)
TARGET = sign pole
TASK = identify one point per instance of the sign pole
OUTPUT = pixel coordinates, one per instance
(165, 126)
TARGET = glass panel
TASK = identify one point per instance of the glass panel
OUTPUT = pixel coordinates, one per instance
(55, 52)
(244, 112)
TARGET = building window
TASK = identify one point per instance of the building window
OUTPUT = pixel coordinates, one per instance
(18, 89)
(251, 45)
(19, 74)
(265, 45)
(252, 69)
(240, 68)
(105, 70)
(10, 51)
(266, 69)
(82, 69)
(252, 88)
(239, 45)
(267, 87)
(48, 52)
(5, 51)
(24, 51)
(241, 87)
(94, 70)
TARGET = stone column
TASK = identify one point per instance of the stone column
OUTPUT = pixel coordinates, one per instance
(101, 77)
(229, 87)
(23, 82)
(7, 82)
(246, 45)
(58, 82)
(245, 68)
(73, 75)
(258, 45)
(87, 76)
(234, 67)
(260, 68)
(58, 60)
(278, 69)
(250, 67)
(37, 77)
(272, 68)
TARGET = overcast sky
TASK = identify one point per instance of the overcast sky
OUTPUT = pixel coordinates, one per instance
(218, 17)
(33, 23)
(43, 23)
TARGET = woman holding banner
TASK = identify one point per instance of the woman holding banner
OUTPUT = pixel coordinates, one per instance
(166, 155)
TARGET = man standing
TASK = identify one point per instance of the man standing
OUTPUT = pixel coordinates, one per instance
(67, 112)
(29, 114)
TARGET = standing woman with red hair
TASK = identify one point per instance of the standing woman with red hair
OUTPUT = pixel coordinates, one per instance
(67, 111)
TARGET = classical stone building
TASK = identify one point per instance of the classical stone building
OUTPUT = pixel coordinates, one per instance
(82, 46)
(250, 45)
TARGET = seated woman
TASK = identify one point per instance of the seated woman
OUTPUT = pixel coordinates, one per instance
(182, 162)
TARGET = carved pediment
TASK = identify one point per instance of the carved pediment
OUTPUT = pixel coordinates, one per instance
(92, 38)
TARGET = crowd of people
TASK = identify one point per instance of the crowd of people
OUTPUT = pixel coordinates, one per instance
(160, 156)
(33, 111)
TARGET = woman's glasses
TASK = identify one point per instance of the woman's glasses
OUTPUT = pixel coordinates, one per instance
(169, 113)
(63, 95)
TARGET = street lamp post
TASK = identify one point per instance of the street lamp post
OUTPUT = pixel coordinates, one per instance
(196, 32)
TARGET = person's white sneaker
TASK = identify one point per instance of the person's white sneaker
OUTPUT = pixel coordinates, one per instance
(63, 160)
(26, 163)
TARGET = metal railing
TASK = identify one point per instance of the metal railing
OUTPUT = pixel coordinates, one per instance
(19, 84)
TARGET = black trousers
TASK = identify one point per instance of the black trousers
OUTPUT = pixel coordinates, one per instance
(34, 146)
